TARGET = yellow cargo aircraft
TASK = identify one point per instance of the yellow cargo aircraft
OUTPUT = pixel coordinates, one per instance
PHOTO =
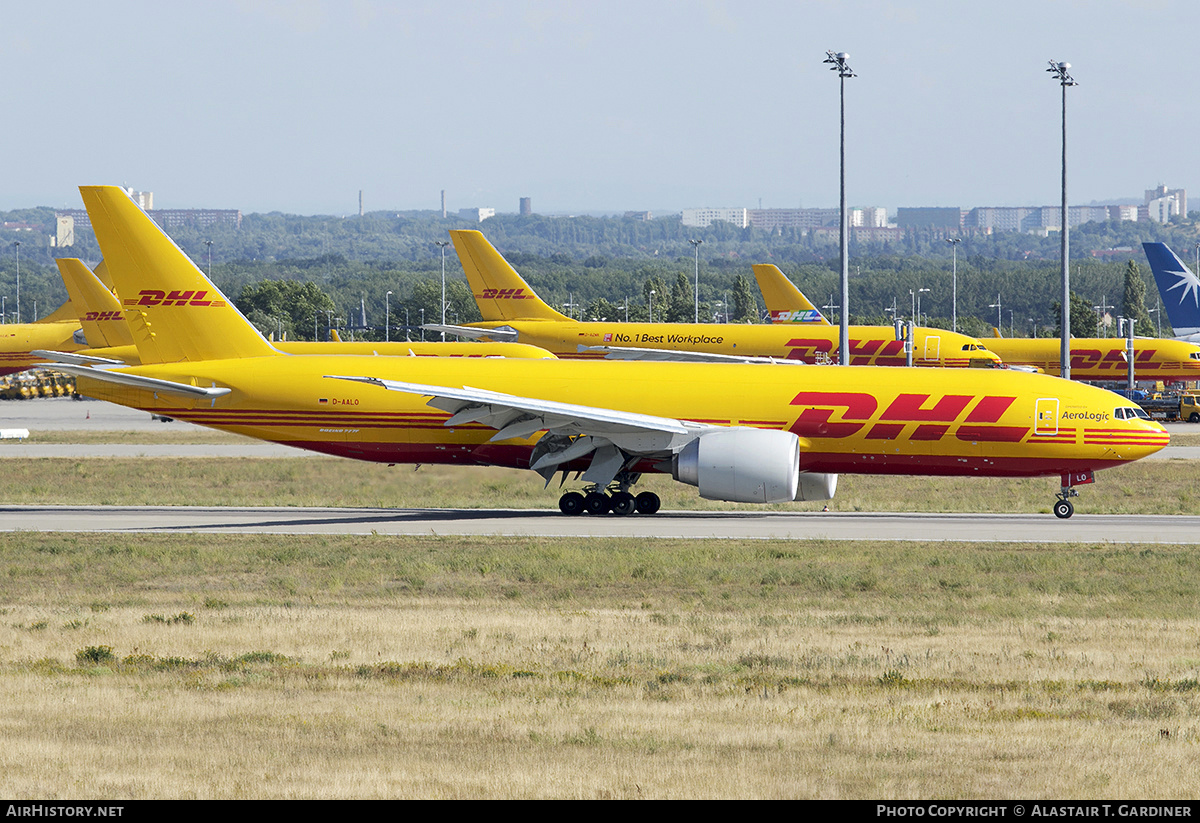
(109, 338)
(1093, 359)
(512, 311)
(746, 433)
(57, 331)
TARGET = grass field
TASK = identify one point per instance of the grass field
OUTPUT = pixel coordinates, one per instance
(144, 666)
(175, 666)
(1146, 487)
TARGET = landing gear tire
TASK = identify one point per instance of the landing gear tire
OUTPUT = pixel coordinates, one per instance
(1063, 509)
(596, 503)
(571, 503)
(622, 504)
(647, 503)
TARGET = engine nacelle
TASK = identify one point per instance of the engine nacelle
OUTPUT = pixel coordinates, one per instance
(815, 486)
(741, 465)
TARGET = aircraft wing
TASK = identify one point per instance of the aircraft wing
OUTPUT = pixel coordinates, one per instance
(500, 334)
(660, 355)
(615, 438)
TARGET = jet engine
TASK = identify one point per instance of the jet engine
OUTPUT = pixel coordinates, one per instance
(741, 465)
(815, 486)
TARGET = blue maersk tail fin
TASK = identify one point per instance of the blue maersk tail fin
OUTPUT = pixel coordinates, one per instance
(1178, 286)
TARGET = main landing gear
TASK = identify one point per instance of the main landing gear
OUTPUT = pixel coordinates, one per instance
(1062, 503)
(617, 500)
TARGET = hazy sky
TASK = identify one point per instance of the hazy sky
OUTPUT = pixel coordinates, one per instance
(593, 106)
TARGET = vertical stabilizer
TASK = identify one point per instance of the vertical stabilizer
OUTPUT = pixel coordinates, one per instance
(785, 302)
(100, 312)
(501, 293)
(174, 312)
(1178, 286)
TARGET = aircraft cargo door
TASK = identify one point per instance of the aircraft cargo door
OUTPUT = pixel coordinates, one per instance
(1045, 417)
(933, 347)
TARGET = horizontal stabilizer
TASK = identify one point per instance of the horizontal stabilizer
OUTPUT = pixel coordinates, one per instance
(76, 359)
(500, 334)
(137, 381)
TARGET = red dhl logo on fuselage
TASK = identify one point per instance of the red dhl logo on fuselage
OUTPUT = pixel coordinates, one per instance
(505, 294)
(862, 352)
(155, 297)
(103, 315)
(1115, 359)
(932, 419)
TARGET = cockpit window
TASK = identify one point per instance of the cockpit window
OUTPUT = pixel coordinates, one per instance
(1129, 413)
(1194, 355)
(977, 347)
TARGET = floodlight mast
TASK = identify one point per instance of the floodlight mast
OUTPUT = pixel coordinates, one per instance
(841, 65)
(1062, 74)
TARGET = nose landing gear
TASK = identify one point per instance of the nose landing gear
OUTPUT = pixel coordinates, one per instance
(1062, 505)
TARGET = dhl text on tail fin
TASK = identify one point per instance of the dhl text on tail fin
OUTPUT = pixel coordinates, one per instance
(785, 302)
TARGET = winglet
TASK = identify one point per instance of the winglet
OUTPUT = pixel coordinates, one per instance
(174, 312)
(501, 293)
(785, 302)
(1178, 286)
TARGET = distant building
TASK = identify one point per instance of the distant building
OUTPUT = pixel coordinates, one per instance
(64, 230)
(639, 215)
(703, 218)
(927, 217)
(1161, 203)
(871, 217)
(476, 215)
(144, 199)
(526, 205)
(804, 219)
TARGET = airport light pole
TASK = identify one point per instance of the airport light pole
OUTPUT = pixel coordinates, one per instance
(652, 293)
(209, 244)
(387, 317)
(954, 241)
(696, 246)
(842, 67)
(999, 317)
(1062, 74)
(442, 245)
(919, 293)
(17, 246)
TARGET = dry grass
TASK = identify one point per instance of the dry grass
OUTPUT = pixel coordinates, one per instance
(273, 666)
(1146, 487)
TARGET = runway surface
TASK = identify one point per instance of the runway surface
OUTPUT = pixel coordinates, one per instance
(1036, 528)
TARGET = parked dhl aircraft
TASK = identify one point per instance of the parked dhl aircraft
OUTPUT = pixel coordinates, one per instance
(56, 331)
(108, 335)
(1092, 358)
(748, 433)
(512, 311)
(778, 291)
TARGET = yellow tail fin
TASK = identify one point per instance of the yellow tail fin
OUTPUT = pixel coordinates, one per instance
(100, 312)
(500, 292)
(66, 313)
(785, 302)
(174, 312)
